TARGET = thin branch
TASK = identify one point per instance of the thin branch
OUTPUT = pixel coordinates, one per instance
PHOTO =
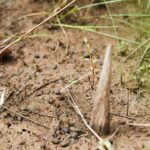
(35, 27)
(42, 114)
(42, 86)
(82, 117)
(113, 134)
(138, 124)
(25, 117)
(121, 116)
(128, 103)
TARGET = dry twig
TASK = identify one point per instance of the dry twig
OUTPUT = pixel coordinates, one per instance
(138, 124)
(42, 86)
(121, 116)
(16, 113)
(82, 117)
(42, 114)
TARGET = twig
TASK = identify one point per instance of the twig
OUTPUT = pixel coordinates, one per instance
(42, 86)
(35, 27)
(41, 114)
(25, 117)
(80, 114)
(72, 83)
(128, 103)
(121, 116)
(9, 96)
(113, 134)
(138, 124)
(25, 85)
(21, 89)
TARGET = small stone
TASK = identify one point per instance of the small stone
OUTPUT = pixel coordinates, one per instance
(62, 97)
(87, 56)
(55, 141)
(74, 135)
(36, 56)
(148, 134)
(54, 67)
(26, 112)
(44, 56)
(57, 91)
(65, 130)
(57, 105)
(8, 124)
(122, 122)
(43, 146)
(56, 134)
(50, 100)
(46, 91)
(64, 143)
(76, 130)
(20, 118)
(72, 141)
(39, 93)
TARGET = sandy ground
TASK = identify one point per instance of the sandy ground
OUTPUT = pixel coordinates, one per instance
(39, 67)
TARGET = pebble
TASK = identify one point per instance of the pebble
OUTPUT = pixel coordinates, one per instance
(39, 93)
(26, 111)
(36, 56)
(57, 91)
(122, 122)
(54, 67)
(76, 130)
(64, 143)
(46, 91)
(87, 56)
(43, 146)
(148, 134)
(57, 105)
(50, 100)
(56, 134)
(72, 141)
(55, 141)
(62, 97)
(44, 56)
(74, 135)
(20, 118)
(65, 130)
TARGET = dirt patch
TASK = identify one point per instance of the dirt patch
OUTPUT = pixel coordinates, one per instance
(39, 68)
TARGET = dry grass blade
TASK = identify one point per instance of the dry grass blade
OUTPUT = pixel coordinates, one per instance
(35, 27)
(138, 124)
(144, 54)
